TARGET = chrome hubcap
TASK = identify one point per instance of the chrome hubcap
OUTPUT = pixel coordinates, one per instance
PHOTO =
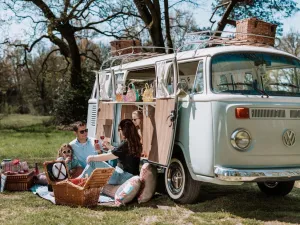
(175, 178)
(271, 184)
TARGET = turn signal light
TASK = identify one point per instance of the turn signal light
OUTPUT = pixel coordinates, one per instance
(242, 113)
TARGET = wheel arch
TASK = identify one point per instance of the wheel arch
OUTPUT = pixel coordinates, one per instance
(179, 151)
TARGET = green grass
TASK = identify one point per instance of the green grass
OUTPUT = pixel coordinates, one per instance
(25, 137)
(28, 139)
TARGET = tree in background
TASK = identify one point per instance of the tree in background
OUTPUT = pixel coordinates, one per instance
(290, 43)
(60, 22)
(157, 19)
(63, 23)
(271, 11)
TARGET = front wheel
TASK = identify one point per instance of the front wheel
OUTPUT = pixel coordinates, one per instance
(180, 185)
(276, 188)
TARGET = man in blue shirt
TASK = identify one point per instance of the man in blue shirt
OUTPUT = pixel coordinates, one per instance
(83, 146)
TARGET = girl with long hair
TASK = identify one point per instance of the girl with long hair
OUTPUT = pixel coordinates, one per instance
(128, 153)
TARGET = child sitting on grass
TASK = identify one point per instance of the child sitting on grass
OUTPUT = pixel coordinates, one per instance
(65, 153)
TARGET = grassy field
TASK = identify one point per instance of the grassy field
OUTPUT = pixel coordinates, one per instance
(26, 137)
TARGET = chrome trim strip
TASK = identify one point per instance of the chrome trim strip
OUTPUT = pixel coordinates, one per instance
(257, 175)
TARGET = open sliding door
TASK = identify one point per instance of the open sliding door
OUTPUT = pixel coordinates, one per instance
(105, 116)
(165, 113)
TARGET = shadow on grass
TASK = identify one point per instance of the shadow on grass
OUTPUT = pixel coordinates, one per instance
(247, 201)
(244, 201)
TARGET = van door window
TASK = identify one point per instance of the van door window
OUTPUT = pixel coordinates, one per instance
(161, 88)
(187, 74)
(198, 84)
(170, 80)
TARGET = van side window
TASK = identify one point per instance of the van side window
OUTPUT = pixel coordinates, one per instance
(198, 84)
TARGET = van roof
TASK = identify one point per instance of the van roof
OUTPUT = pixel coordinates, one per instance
(150, 62)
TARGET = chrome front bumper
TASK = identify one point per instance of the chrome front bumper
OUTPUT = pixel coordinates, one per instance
(257, 175)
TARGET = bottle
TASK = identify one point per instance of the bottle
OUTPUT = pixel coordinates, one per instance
(5, 165)
(36, 169)
(2, 167)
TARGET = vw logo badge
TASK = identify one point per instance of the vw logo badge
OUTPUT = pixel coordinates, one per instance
(289, 138)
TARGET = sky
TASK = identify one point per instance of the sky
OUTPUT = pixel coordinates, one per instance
(202, 15)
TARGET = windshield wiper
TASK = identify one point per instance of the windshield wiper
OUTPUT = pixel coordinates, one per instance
(284, 84)
(257, 89)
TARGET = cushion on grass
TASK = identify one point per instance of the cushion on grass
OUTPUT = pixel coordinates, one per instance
(110, 190)
(127, 191)
(148, 177)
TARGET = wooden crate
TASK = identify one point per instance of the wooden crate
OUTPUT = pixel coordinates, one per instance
(249, 26)
(19, 182)
(118, 45)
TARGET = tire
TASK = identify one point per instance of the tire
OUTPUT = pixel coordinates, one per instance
(180, 186)
(276, 188)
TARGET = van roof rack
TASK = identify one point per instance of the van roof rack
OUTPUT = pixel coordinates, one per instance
(131, 54)
(208, 38)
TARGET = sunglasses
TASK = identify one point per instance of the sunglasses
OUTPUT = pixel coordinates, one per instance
(82, 131)
(67, 151)
(135, 119)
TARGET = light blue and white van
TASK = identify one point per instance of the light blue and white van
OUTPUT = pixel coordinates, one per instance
(223, 115)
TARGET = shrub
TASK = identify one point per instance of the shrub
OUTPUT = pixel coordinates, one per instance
(72, 104)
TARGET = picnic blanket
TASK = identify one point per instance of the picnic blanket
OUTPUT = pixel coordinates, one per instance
(42, 191)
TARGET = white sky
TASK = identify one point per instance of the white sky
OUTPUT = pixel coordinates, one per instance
(202, 16)
(204, 13)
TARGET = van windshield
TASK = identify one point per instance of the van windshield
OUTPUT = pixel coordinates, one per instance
(255, 73)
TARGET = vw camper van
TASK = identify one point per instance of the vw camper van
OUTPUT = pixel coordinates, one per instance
(224, 114)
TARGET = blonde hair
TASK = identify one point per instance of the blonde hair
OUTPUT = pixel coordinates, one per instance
(139, 114)
(63, 147)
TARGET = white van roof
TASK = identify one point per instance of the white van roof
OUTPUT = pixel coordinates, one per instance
(150, 62)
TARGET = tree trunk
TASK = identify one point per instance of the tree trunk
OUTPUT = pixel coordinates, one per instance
(168, 30)
(150, 14)
(156, 33)
(43, 96)
(76, 73)
(224, 20)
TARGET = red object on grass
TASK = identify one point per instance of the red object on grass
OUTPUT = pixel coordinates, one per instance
(78, 181)
(36, 169)
(16, 161)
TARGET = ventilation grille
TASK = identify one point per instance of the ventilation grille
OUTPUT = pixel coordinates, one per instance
(268, 113)
(294, 113)
(94, 115)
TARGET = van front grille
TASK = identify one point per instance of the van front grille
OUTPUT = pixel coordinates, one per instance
(267, 113)
(294, 113)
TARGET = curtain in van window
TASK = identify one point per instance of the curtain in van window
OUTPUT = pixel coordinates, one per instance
(161, 88)
(102, 80)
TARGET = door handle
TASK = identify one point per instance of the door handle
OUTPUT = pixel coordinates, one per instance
(172, 117)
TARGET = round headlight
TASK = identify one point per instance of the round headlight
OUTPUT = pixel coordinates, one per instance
(240, 139)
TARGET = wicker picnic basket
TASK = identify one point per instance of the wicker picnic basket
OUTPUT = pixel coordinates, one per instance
(19, 182)
(67, 193)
